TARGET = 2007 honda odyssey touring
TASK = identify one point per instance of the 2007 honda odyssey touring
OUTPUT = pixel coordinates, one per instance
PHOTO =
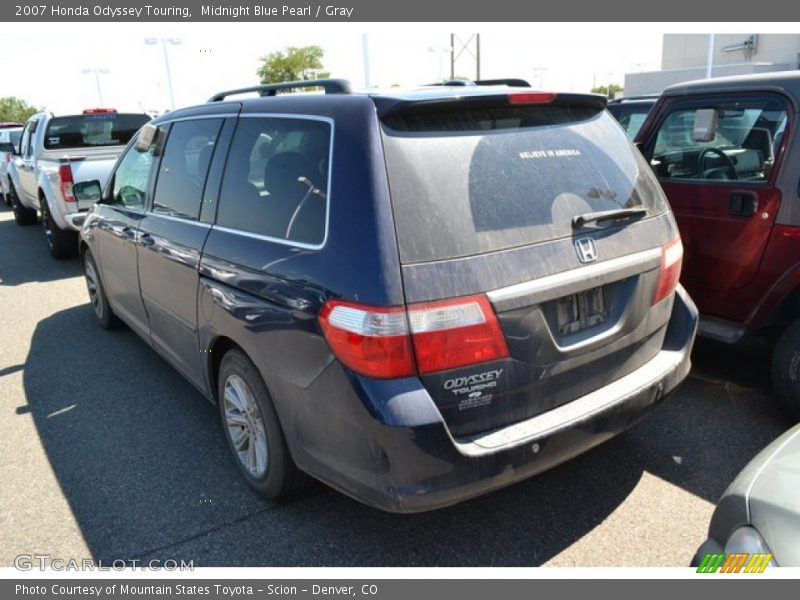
(415, 297)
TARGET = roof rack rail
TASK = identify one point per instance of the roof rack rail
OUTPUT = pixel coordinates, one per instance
(469, 82)
(331, 86)
(508, 82)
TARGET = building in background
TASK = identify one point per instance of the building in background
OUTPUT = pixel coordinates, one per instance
(688, 56)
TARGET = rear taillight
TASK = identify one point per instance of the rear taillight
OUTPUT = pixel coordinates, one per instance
(671, 261)
(370, 340)
(424, 338)
(531, 97)
(455, 333)
(65, 177)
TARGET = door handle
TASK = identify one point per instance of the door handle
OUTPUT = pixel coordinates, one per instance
(743, 204)
(128, 233)
(146, 239)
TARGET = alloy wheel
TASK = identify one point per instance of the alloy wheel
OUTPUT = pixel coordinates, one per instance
(245, 426)
(92, 285)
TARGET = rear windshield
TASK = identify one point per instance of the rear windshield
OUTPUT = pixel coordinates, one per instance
(88, 131)
(10, 135)
(473, 181)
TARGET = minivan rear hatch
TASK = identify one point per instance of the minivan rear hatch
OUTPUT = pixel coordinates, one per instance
(540, 204)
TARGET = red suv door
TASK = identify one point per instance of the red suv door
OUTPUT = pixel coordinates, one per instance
(722, 190)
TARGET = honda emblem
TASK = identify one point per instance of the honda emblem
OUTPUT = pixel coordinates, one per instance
(587, 252)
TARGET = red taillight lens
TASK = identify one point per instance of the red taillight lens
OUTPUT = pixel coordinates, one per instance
(455, 333)
(370, 340)
(65, 176)
(671, 261)
(383, 342)
(531, 98)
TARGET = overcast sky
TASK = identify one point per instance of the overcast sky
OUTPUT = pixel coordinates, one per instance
(43, 62)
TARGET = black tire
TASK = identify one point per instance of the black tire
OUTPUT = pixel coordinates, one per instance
(786, 370)
(60, 242)
(22, 215)
(97, 294)
(281, 477)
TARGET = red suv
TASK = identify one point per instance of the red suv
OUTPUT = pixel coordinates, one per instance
(727, 154)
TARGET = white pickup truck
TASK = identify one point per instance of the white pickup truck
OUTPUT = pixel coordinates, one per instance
(56, 152)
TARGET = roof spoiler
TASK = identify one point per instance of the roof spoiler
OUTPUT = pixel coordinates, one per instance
(331, 86)
(502, 99)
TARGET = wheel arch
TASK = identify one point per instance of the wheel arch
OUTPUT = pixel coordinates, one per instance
(785, 313)
(218, 347)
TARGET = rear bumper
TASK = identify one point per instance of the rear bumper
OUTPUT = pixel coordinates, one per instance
(398, 455)
(75, 220)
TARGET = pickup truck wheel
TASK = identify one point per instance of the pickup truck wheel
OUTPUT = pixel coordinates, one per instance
(786, 370)
(253, 431)
(97, 294)
(61, 243)
(22, 215)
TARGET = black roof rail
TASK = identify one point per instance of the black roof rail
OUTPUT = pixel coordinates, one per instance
(331, 86)
(508, 82)
(469, 82)
(634, 98)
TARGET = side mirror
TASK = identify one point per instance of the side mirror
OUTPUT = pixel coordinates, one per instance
(705, 125)
(7, 148)
(146, 137)
(89, 191)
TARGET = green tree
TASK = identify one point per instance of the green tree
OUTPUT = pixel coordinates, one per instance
(295, 64)
(16, 109)
(615, 88)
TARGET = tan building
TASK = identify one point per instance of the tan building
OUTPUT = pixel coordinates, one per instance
(688, 56)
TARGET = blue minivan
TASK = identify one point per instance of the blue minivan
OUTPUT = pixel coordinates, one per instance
(415, 296)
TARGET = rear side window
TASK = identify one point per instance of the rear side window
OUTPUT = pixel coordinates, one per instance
(183, 169)
(276, 179)
(471, 181)
(87, 131)
(10, 136)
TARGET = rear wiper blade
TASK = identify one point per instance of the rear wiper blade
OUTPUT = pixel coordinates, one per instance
(580, 221)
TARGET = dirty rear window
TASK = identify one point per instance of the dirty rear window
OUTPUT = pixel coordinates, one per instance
(471, 181)
(88, 131)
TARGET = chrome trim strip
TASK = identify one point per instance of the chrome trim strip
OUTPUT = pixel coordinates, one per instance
(167, 120)
(150, 213)
(555, 286)
(266, 238)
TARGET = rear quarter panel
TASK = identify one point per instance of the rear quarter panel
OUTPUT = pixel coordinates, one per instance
(265, 296)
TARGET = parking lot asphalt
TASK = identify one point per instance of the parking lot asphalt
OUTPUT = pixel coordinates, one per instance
(107, 452)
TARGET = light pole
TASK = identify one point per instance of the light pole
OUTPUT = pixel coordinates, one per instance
(539, 74)
(151, 41)
(97, 72)
(441, 51)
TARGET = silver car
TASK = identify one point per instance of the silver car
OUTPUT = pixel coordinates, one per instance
(759, 513)
(8, 135)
